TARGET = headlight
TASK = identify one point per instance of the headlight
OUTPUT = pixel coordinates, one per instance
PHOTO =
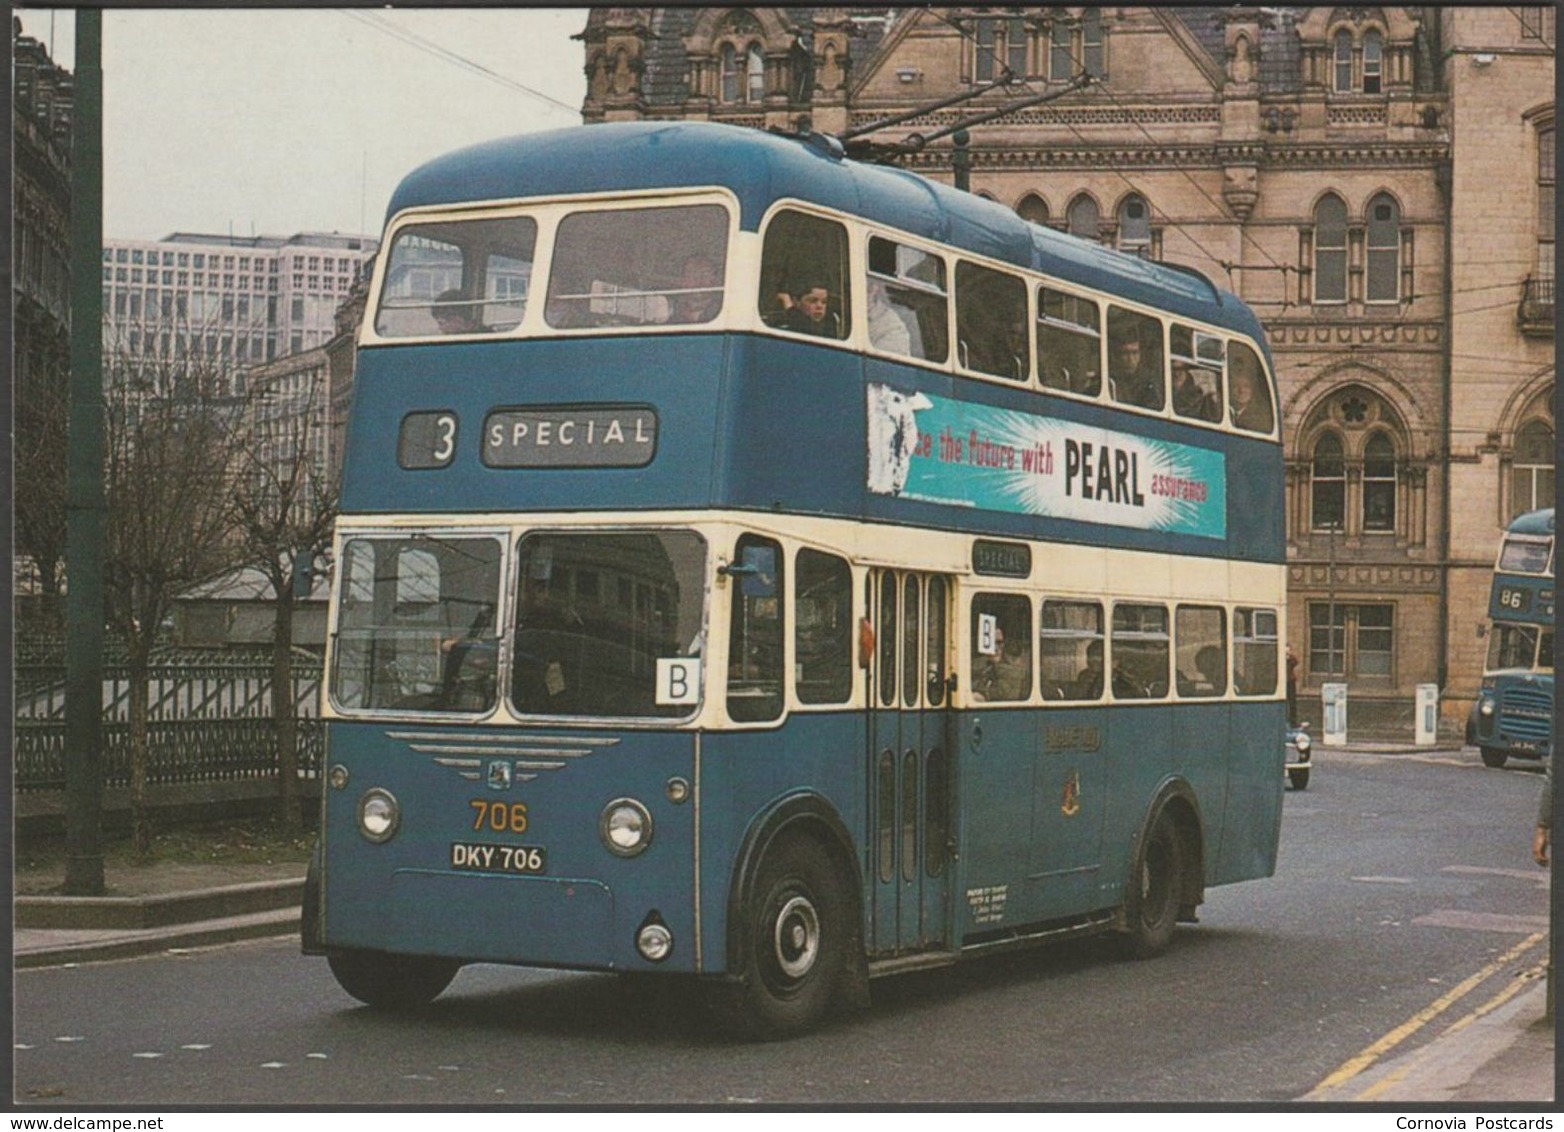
(626, 827)
(1303, 742)
(378, 815)
(1485, 708)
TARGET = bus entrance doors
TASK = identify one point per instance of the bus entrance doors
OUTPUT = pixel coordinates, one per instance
(911, 774)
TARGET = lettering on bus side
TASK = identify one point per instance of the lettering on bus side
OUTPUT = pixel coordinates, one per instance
(599, 437)
(1102, 472)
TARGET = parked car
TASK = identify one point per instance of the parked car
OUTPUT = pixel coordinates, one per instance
(1299, 744)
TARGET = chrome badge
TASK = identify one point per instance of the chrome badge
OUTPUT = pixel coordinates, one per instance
(499, 775)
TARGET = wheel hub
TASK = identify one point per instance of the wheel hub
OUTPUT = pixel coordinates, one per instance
(796, 937)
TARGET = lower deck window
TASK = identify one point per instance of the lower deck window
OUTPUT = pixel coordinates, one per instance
(1140, 652)
(415, 624)
(595, 613)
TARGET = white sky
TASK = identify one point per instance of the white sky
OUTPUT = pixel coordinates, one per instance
(280, 121)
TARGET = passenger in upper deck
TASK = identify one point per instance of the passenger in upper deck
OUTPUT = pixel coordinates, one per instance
(453, 313)
(809, 312)
(699, 292)
(1251, 411)
(1136, 379)
(887, 329)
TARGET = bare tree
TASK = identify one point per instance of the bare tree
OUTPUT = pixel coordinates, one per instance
(42, 410)
(171, 436)
(286, 503)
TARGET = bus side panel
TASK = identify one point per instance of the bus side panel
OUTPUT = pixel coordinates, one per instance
(744, 775)
(409, 895)
(793, 417)
(1204, 756)
(994, 764)
(1252, 822)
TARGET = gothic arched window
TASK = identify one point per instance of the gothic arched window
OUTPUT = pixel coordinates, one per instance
(1343, 62)
(1330, 250)
(755, 72)
(1379, 483)
(1083, 218)
(1373, 61)
(1384, 250)
(1033, 208)
(1532, 468)
(1135, 225)
(1328, 475)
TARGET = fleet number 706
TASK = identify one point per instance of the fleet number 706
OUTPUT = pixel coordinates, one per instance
(502, 817)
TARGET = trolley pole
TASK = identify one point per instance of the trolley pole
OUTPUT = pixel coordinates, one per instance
(85, 509)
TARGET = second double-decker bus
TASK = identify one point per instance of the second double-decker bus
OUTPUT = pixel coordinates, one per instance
(1513, 715)
(776, 571)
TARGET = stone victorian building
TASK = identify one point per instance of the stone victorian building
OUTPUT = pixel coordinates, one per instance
(1375, 181)
(43, 97)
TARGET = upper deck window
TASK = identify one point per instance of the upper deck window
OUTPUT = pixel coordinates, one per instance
(1069, 342)
(803, 276)
(1197, 373)
(1249, 394)
(991, 322)
(457, 277)
(638, 267)
(907, 301)
(1524, 556)
(1135, 372)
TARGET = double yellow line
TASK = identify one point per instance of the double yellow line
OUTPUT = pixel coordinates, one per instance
(1422, 1018)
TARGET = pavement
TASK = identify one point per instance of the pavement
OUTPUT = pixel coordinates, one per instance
(1502, 1053)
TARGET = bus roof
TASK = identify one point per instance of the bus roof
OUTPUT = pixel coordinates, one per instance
(760, 168)
(1533, 523)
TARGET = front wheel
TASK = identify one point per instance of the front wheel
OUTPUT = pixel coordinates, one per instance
(1299, 778)
(1493, 757)
(1152, 905)
(798, 942)
(392, 982)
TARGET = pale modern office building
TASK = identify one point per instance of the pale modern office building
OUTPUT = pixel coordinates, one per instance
(216, 305)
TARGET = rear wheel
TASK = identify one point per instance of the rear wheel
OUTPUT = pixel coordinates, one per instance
(1152, 906)
(392, 982)
(1299, 778)
(1493, 757)
(798, 940)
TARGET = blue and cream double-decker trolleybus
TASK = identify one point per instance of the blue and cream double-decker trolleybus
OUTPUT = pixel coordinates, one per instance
(1514, 710)
(776, 571)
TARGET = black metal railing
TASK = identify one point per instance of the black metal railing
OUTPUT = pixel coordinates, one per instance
(209, 719)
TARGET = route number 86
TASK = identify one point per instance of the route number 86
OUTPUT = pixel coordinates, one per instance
(499, 816)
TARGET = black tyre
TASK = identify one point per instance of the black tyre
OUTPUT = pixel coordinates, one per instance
(1492, 757)
(392, 982)
(798, 936)
(1299, 778)
(1151, 909)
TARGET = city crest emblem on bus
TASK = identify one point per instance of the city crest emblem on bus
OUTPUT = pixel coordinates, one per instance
(1071, 805)
(499, 775)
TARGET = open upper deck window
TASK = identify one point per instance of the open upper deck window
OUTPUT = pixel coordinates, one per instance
(661, 266)
(803, 276)
(457, 277)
